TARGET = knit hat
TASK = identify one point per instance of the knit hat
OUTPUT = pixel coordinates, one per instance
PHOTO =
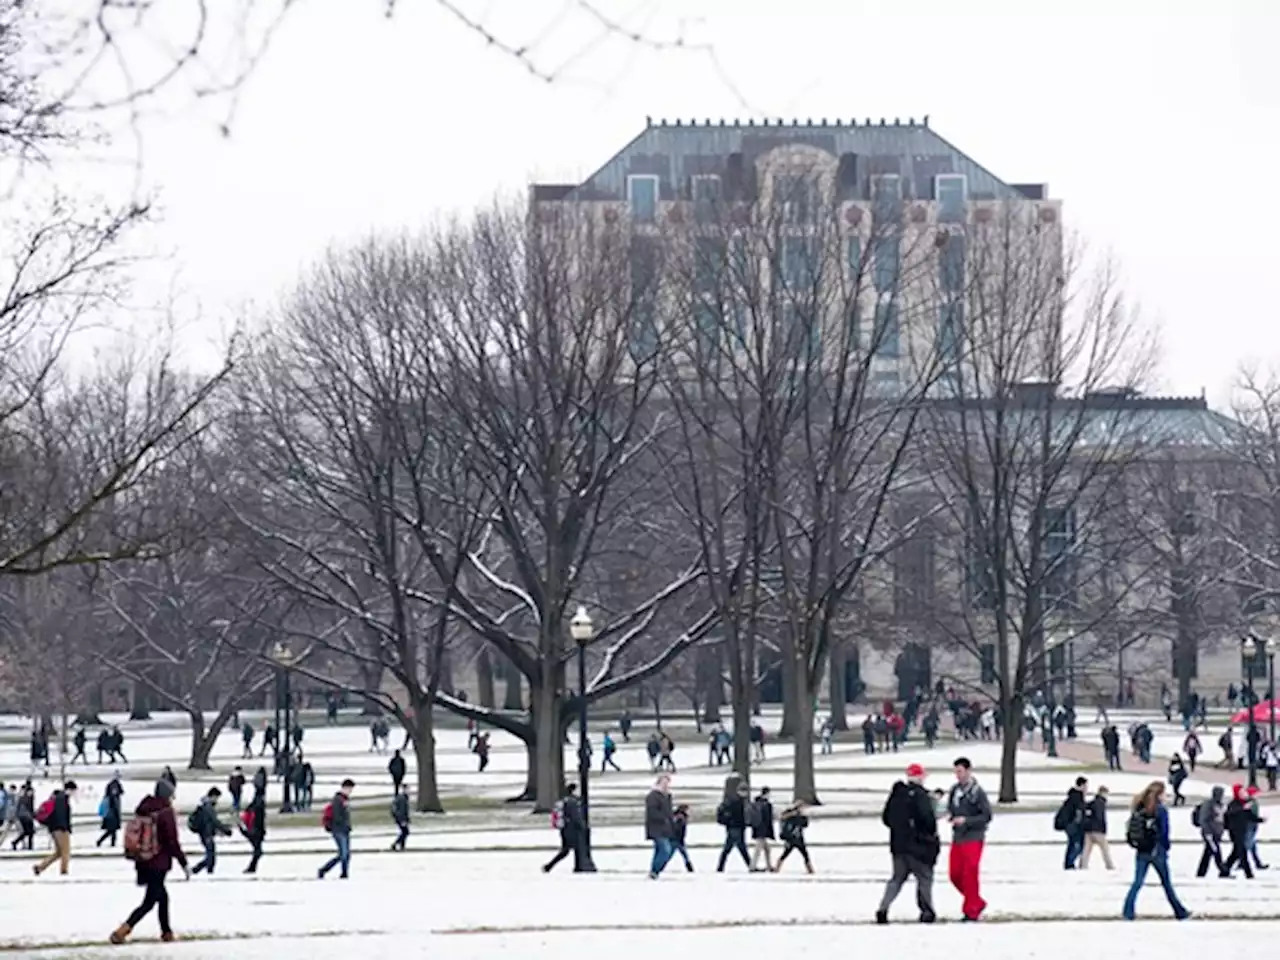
(915, 772)
(1252, 791)
(163, 790)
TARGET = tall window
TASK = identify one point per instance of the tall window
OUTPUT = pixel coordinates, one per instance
(886, 335)
(708, 270)
(705, 190)
(1184, 513)
(887, 250)
(950, 331)
(886, 198)
(644, 298)
(1059, 545)
(796, 197)
(642, 197)
(980, 581)
(951, 263)
(800, 291)
(951, 192)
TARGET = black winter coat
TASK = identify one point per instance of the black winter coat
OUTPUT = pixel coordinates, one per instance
(734, 811)
(762, 819)
(912, 823)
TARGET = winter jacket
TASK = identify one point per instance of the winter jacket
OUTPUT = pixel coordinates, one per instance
(657, 816)
(1238, 819)
(207, 822)
(969, 800)
(396, 768)
(1095, 815)
(794, 823)
(762, 819)
(735, 813)
(170, 847)
(235, 784)
(400, 809)
(341, 814)
(1211, 824)
(679, 828)
(1162, 828)
(258, 808)
(60, 819)
(571, 813)
(1074, 807)
(260, 780)
(913, 827)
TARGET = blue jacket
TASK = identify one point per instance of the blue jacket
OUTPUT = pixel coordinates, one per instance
(1162, 828)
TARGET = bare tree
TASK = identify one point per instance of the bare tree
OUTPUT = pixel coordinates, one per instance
(1028, 451)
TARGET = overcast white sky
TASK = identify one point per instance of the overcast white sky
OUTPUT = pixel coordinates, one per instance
(1157, 122)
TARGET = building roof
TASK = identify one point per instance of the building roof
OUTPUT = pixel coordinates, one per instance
(675, 151)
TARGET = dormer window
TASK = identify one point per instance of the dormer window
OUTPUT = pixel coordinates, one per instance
(886, 197)
(704, 190)
(795, 196)
(642, 197)
(951, 191)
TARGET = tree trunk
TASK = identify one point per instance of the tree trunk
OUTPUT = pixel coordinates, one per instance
(530, 791)
(201, 746)
(511, 698)
(445, 670)
(790, 709)
(371, 677)
(1009, 755)
(484, 679)
(424, 752)
(141, 709)
(805, 786)
(836, 693)
(709, 687)
(549, 743)
(657, 708)
(697, 714)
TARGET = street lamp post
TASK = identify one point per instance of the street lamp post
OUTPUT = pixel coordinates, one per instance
(283, 657)
(583, 630)
(1250, 650)
(1271, 693)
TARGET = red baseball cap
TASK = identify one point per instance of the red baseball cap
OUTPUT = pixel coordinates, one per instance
(915, 771)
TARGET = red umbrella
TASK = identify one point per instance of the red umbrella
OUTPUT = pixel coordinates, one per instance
(1262, 713)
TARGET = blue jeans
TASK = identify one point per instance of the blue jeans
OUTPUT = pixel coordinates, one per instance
(662, 851)
(343, 857)
(210, 856)
(1075, 847)
(1159, 859)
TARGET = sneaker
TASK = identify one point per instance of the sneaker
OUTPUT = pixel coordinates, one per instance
(928, 917)
(882, 917)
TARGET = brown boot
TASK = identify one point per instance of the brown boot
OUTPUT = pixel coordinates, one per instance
(808, 868)
(121, 933)
(168, 937)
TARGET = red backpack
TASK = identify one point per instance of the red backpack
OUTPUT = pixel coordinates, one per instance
(141, 839)
(557, 816)
(326, 818)
(44, 812)
(247, 819)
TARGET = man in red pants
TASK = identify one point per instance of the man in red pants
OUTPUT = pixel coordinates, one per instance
(970, 812)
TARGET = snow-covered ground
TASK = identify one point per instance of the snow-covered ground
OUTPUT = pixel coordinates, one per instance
(470, 886)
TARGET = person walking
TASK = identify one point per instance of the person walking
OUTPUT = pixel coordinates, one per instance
(659, 825)
(115, 746)
(761, 817)
(913, 843)
(253, 827)
(55, 816)
(246, 738)
(396, 768)
(1251, 838)
(567, 819)
(793, 824)
(79, 741)
(732, 815)
(1095, 830)
(260, 781)
(400, 817)
(970, 814)
(1111, 746)
(26, 817)
(112, 817)
(1192, 747)
(482, 751)
(1207, 817)
(1148, 834)
(204, 823)
(336, 820)
(1070, 820)
(1238, 819)
(168, 774)
(610, 748)
(235, 787)
(103, 744)
(679, 830)
(1177, 776)
(151, 842)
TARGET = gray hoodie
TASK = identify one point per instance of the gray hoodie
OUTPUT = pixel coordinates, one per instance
(969, 800)
(1211, 823)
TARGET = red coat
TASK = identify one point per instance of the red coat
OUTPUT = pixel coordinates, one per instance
(166, 837)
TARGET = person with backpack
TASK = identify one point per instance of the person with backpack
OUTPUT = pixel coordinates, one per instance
(567, 819)
(26, 817)
(1207, 818)
(235, 787)
(304, 783)
(55, 816)
(658, 825)
(1192, 747)
(793, 823)
(679, 832)
(610, 748)
(913, 843)
(400, 817)
(151, 842)
(336, 820)
(79, 741)
(652, 749)
(1238, 819)
(1111, 746)
(260, 781)
(761, 815)
(732, 814)
(204, 823)
(1147, 832)
(115, 746)
(1095, 830)
(1226, 743)
(168, 774)
(270, 740)
(246, 739)
(110, 811)
(1177, 777)
(1070, 820)
(397, 769)
(253, 827)
(969, 811)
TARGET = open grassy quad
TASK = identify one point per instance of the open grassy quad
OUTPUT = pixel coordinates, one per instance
(470, 884)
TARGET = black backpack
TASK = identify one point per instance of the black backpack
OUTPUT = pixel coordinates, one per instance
(1195, 817)
(1141, 832)
(722, 813)
(1062, 819)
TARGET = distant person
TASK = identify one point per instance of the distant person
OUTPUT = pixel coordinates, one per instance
(567, 819)
(80, 739)
(658, 824)
(762, 832)
(55, 816)
(246, 737)
(253, 827)
(794, 823)
(970, 815)
(204, 823)
(336, 820)
(110, 811)
(400, 817)
(397, 768)
(235, 787)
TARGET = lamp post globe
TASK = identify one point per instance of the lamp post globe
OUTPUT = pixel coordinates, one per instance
(582, 630)
(1249, 648)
